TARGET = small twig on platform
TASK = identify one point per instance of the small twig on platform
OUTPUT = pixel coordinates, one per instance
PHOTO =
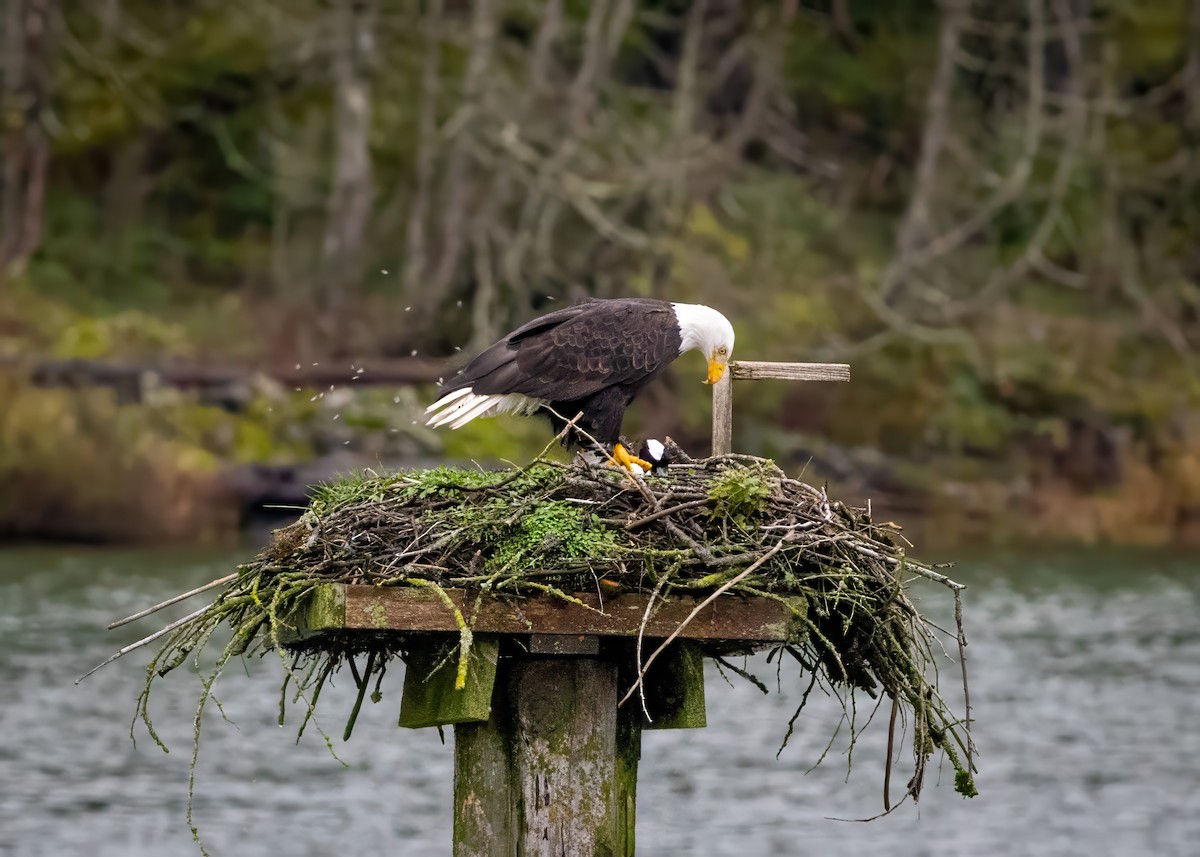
(887, 768)
(146, 640)
(696, 611)
(641, 635)
(570, 424)
(691, 504)
(961, 637)
(212, 584)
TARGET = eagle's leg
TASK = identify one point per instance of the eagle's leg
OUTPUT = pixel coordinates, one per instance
(623, 458)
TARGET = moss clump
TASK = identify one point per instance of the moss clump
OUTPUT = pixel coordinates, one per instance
(964, 783)
(740, 494)
(553, 533)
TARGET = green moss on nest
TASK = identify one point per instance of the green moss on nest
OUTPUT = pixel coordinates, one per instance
(542, 533)
(741, 494)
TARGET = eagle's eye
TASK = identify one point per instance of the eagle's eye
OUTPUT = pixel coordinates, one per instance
(722, 350)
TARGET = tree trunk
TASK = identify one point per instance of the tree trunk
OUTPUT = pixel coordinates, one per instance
(915, 227)
(26, 92)
(416, 256)
(351, 193)
(461, 179)
(1191, 75)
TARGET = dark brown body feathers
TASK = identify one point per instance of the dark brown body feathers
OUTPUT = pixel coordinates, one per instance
(593, 357)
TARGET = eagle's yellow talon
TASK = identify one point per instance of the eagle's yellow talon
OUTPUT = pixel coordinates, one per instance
(622, 458)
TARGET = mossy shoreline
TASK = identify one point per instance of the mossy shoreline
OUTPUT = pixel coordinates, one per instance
(80, 466)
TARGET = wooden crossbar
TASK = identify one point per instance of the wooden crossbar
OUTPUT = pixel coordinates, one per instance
(758, 370)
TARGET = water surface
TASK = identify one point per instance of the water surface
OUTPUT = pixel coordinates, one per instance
(1085, 681)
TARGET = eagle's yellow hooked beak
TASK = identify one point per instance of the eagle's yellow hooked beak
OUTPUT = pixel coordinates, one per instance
(716, 368)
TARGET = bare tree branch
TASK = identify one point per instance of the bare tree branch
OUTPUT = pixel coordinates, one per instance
(416, 240)
(915, 224)
(1018, 178)
(1073, 142)
(351, 194)
(548, 33)
(1191, 74)
(26, 94)
(684, 107)
(458, 181)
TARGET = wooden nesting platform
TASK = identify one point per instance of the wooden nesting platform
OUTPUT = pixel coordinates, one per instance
(545, 756)
(337, 608)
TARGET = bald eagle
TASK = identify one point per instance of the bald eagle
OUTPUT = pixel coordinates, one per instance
(593, 357)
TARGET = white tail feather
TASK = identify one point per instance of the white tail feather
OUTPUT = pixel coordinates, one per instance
(458, 408)
(477, 407)
(449, 399)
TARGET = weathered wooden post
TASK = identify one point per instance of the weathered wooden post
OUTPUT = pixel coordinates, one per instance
(554, 769)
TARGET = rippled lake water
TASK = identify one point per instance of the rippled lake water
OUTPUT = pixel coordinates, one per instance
(1085, 681)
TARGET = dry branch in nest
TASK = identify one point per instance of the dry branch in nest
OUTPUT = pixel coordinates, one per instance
(722, 527)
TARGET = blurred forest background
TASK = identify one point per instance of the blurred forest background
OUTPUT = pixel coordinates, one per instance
(238, 241)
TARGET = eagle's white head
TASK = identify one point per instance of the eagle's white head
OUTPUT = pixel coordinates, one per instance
(706, 330)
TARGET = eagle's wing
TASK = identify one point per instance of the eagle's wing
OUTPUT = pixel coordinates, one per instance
(576, 351)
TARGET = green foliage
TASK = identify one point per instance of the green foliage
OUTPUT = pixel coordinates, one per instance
(552, 534)
(964, 780)
(740, 494)
(124, 333)
(81, 467)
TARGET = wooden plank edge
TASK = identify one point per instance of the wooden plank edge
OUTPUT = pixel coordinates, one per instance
(322, 610)
(337, 607)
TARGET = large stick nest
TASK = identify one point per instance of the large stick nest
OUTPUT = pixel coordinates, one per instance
(723, 527)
